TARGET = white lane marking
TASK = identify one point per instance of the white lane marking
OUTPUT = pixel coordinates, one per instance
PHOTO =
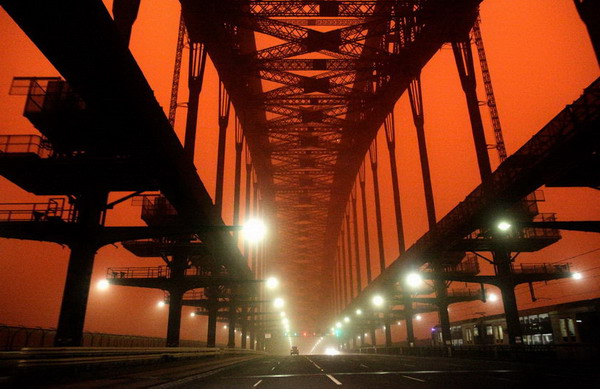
(412, 378)
(273, 368)
(365, 366)
(333, 379)
(317, 366)
(256, 384)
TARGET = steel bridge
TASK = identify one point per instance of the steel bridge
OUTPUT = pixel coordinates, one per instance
(312, 83)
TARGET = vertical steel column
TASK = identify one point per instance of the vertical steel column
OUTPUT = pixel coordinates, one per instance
(196, 67)
(177, 267)
(373, 157)
(336, 283)
(244, 320)
(373, 337)
(232, 322)
(502, 263)
(388, 328)
(213, 309)
(344, 279)
(363, 192)
(588, 12)
(356, 246)
(349, 242)
(125, 12)
(390, 135)
(239, 146)
(254, 214)
(224, 109)
(463, 57)
(416, 105)
(248, 195)
(69, 332)
(408, 316)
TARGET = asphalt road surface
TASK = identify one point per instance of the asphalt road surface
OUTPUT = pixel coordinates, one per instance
(373, 371)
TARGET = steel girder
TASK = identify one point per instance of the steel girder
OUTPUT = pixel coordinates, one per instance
(335, 70)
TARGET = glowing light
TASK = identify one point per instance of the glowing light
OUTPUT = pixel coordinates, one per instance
(338, 325)
(377, 301)
(577, 276)
(346, 319)
(272, 283)
(285, 321)
(193, 314)
(225, 327)
(492, 297)
(504, 226)
(254, 230)
(414, 280)
(161, 304)
(102, 285)
(418, 317)
(331, 351)
(278, 302)
(359, 311)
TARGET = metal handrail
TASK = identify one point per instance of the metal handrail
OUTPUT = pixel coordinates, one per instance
(52, 210)
(25, 144)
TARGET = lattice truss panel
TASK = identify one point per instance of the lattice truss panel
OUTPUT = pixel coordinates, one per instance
(329, 71)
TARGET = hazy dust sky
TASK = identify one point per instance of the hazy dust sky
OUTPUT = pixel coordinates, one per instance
(540, 60)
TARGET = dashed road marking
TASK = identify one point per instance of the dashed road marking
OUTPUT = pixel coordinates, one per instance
(317, 366)
(256, 384)
(412, 378)
(333, 379)
(365, 366)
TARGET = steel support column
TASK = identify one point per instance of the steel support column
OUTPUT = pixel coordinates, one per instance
(124, 13)
(177, 267)
(408, 317)
(231, 325)
(416, 105)
(196, 67)
(466, 71)
(363, 192)
(224, 109)
(502, 262)
(248, 195)
(239, 147)
(343, 257)
(373, 157)
(211, 336)
(69, 332)
(349, 242)
(356, 246)
(390, 135)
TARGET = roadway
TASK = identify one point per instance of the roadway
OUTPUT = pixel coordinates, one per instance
(349, 371)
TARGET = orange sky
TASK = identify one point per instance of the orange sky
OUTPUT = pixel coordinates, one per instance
(540, 60)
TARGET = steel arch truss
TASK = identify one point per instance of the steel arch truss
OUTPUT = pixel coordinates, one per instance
(312, 82)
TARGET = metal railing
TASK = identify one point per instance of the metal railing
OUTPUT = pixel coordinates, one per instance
(541, 268)
(153, 272)
(52, 210)
(16, 337)
(25, 144)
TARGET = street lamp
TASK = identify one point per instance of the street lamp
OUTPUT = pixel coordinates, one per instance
(346, 319)
(359, 311)
(577, 276)
(414, 280)
(504, 225)
(338, 325)
(254, 230)
(272, 283)
(161, 304)
(278, 302)
(102, 285)
(377, 301)
(492, 298)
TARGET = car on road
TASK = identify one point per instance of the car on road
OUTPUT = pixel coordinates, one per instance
(294, 351)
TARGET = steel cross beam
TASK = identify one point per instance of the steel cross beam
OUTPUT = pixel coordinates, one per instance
(87, 50)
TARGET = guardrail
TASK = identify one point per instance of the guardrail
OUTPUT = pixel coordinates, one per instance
(530, 353)
(58, 360)
(16, 337)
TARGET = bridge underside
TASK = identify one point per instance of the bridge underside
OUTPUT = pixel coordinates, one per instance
(312, 84)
